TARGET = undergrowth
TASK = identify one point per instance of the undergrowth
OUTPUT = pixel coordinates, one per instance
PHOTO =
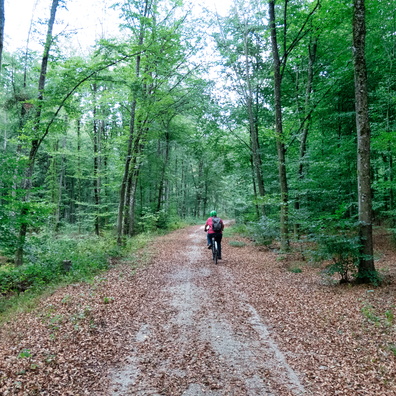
(44, 271)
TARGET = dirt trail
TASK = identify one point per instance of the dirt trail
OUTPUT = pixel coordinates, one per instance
(179, 325)
(200, 335)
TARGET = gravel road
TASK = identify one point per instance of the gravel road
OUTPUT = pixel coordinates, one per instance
(198, 334)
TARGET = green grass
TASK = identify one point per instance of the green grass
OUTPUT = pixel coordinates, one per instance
(25, 302)
(237, 243)
(369, 312)
(295, 270)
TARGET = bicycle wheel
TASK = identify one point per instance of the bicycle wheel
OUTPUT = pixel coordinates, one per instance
(216, 253)
(213, 249)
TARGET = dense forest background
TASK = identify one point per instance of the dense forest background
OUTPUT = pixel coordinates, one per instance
(251, 114)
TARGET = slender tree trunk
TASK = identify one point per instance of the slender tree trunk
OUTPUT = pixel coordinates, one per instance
(389, 158)
(183, 189)
(61, 182)
(35, 144)
(366, 270)
(2, 22)
(124, 184)
(132, 187)
(306, 120)
(199, 188)
(53, 182)
(161, 188)
(123, 207)
(78, 206)
(205, 199)
(96, 165)
(104, 169)
(254, 188)
(130, 228)
(391, 178)
(257, 163)
(284, 231)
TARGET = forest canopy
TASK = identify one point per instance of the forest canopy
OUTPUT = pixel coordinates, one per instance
(280, 115)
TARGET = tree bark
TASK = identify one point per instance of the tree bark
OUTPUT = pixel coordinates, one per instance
(79, 187)
(36, 142)
(305, 122)
(124, 184)
(122, 218)
(161, 187)
(366, 269)
(61, 183)
(256, 155)
(96, 164)
(2, 22)
(132, 189)
(284, 228)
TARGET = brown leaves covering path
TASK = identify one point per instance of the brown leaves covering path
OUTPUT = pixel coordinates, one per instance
(183, 326)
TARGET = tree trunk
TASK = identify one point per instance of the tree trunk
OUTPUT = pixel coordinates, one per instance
(130, 193)
(61, 183)
(257, 163)
(35, 145)
(254, 188)
(391, 178)
(133, 184)
(161, 188)
(124, 184)
(122, 218)
(366, 270)
(2, 22)
(96, 164)
(306, 121)
(284, 231)
(78, 206)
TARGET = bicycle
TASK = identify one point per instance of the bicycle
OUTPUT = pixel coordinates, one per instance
(215, 251)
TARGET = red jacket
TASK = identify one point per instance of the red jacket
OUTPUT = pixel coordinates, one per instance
(209, 223)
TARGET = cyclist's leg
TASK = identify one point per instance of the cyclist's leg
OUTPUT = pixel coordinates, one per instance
(219, 237)
(209, 239)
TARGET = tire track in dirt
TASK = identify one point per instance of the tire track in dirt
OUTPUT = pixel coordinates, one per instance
(198, 334)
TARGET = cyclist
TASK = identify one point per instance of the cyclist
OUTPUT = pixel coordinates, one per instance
(214, 230)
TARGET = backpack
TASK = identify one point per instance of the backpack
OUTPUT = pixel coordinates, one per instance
(216, 224)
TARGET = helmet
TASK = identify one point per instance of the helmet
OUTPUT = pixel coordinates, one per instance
(213, 213)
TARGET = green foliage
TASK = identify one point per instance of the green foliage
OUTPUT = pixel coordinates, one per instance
(25, 353)
(151, 220)
(44, 256)
(237, 244)
(108, 300)
(88, 254)
(390, 317)
(235, 229)
(264, 231)
(369, 313)
(377, 316)
(392, 348)
(343, 251)
(295, 269)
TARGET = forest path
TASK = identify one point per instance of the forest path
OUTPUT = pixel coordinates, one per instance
(171, 322)
(198, 334)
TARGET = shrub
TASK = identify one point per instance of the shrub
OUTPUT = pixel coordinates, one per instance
(264, 231)
(148, 220)
(343, 252)
(44, 257)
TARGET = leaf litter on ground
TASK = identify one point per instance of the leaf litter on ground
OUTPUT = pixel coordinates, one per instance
(340, 339)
